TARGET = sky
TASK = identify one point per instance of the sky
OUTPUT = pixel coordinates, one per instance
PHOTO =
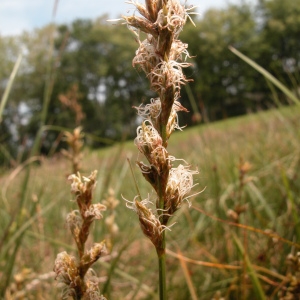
(19, 15)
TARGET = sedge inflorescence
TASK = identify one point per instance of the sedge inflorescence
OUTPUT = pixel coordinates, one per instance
(74, 273)
(162, 56)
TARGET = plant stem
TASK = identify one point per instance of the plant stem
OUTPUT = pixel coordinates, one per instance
(162, 270)
(164, 134)
(161, 250)
(9, 85)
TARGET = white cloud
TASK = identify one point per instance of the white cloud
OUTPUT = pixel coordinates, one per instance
(19, 15)
(12, 25)
(15, 5)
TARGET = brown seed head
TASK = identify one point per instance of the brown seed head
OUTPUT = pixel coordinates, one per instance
(91, 256)
(65, 268)
(150, 224)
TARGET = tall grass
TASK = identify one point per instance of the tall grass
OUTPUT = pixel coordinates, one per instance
(205, 238)
(6, 93)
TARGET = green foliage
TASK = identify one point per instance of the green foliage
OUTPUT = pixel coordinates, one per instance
(95, 56)
(219, 85)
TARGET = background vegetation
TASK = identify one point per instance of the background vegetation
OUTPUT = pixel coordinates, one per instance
(240, 238)
(84, 74)
(250, 180)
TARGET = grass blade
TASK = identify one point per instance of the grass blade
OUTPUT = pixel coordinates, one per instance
(9, 85)
(256, 283)
(255, 193)
(187, 277)
(266, 74)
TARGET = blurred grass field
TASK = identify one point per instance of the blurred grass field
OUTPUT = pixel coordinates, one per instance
(249, 174)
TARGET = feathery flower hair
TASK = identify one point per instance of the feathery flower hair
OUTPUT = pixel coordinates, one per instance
(162, 56)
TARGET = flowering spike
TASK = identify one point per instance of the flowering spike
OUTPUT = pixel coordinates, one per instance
(162, 57)
(75, 274)
(91, 256)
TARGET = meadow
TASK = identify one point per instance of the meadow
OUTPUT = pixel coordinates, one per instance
(237, 239)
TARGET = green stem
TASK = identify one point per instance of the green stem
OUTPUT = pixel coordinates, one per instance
(9, 85)
(162, 270)
(161, 252)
